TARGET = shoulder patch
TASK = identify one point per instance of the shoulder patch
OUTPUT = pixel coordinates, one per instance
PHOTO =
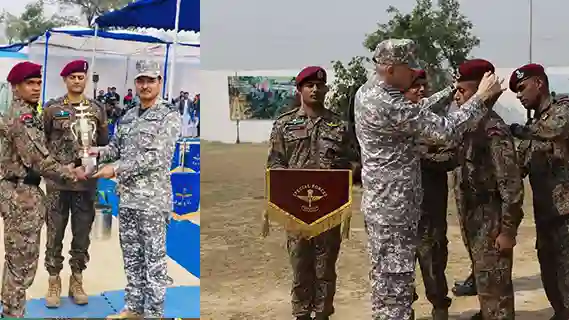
(27, 119)
(495, 131)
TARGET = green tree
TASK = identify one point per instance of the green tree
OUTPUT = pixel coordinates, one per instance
(443, 35)
(91, 9)
(32, 22)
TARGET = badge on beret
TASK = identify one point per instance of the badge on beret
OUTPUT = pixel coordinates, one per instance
(320, 74)
(519, 74)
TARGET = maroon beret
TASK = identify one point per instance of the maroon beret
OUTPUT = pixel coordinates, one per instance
(420, 74)
(474, 70)
(311, 73)
(23, 71)
(75, 66)
(525, 72)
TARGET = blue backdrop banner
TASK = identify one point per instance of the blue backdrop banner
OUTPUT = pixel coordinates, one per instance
(187, 155)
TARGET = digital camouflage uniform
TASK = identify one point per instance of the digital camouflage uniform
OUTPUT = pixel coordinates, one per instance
(389, 128)
(298, 142)
(23, 152)
(432, 251)
(489, 196)
(77, 197)
(142, 151)
(544, 155)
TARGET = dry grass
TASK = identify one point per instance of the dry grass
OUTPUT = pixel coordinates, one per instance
(245, 277)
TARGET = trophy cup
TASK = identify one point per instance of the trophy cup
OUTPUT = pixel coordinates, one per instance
(84, 130)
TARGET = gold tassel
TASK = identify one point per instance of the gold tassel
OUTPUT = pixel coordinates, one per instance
(346, 228)
(266, 225)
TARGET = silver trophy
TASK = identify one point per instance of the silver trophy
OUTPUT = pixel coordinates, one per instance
(84, 130)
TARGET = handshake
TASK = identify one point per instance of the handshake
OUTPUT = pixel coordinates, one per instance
(85, 172)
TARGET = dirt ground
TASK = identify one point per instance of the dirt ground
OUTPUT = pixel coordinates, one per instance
(246, 277)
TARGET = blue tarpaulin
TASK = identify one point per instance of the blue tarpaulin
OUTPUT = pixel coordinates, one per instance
(159, 14)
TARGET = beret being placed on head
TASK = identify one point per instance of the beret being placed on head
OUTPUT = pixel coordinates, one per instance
(525, 72)
(75, 66)
(23, 71)
(311, 73)
(474, 70)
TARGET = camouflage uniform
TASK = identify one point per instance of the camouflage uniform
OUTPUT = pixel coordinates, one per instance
(388, 128)
(489, 195)
(23, 153)
(79, 197)
(322, 143)
(432, 251)
(142, 151)
(544, 155)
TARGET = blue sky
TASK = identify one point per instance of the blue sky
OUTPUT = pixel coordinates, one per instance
(257, 34)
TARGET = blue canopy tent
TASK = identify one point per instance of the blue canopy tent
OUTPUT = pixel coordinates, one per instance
(159, 14)
(90, 33)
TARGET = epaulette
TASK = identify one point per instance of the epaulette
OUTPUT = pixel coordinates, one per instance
(287, 113)
(51, 102)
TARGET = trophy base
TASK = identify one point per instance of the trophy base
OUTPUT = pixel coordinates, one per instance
(90, 165)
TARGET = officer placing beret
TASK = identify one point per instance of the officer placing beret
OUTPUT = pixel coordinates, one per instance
(24, 159)
(544, 156)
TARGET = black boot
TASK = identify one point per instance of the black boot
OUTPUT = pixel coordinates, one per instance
(477, 316)
(322, 317)
(439, 313)
(306, 317)
(465, 288)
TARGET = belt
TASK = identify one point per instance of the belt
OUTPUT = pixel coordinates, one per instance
(32, 181)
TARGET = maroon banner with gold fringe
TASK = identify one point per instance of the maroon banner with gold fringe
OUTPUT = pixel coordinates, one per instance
(309, 202)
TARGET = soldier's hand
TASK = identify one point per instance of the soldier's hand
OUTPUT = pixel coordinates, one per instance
(490, 86)
(80, 173)
(505, 242)
(107, 172)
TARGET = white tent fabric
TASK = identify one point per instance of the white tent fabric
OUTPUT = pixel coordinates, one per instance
(115, 61)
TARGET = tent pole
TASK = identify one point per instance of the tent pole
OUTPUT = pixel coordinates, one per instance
(45, 53)
(93, 61)
(166, 78)
(175, 44)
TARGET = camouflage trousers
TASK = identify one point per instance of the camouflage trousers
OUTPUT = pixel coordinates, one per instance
(553, 255)
(492, 269)
(23, 211)
(143, 243)
(60, 203)
(313, 264)
(432, 251)
(392, 250)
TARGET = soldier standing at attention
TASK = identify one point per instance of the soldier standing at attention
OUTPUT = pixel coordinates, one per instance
(24, 159)
(432, 251)
(311, 137)
(544, 155)
(388, 128)
(489, 195)
(141, 152)
(77, 197)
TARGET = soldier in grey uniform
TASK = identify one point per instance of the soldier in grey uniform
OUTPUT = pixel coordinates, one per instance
(389, 128)
(141, 152)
